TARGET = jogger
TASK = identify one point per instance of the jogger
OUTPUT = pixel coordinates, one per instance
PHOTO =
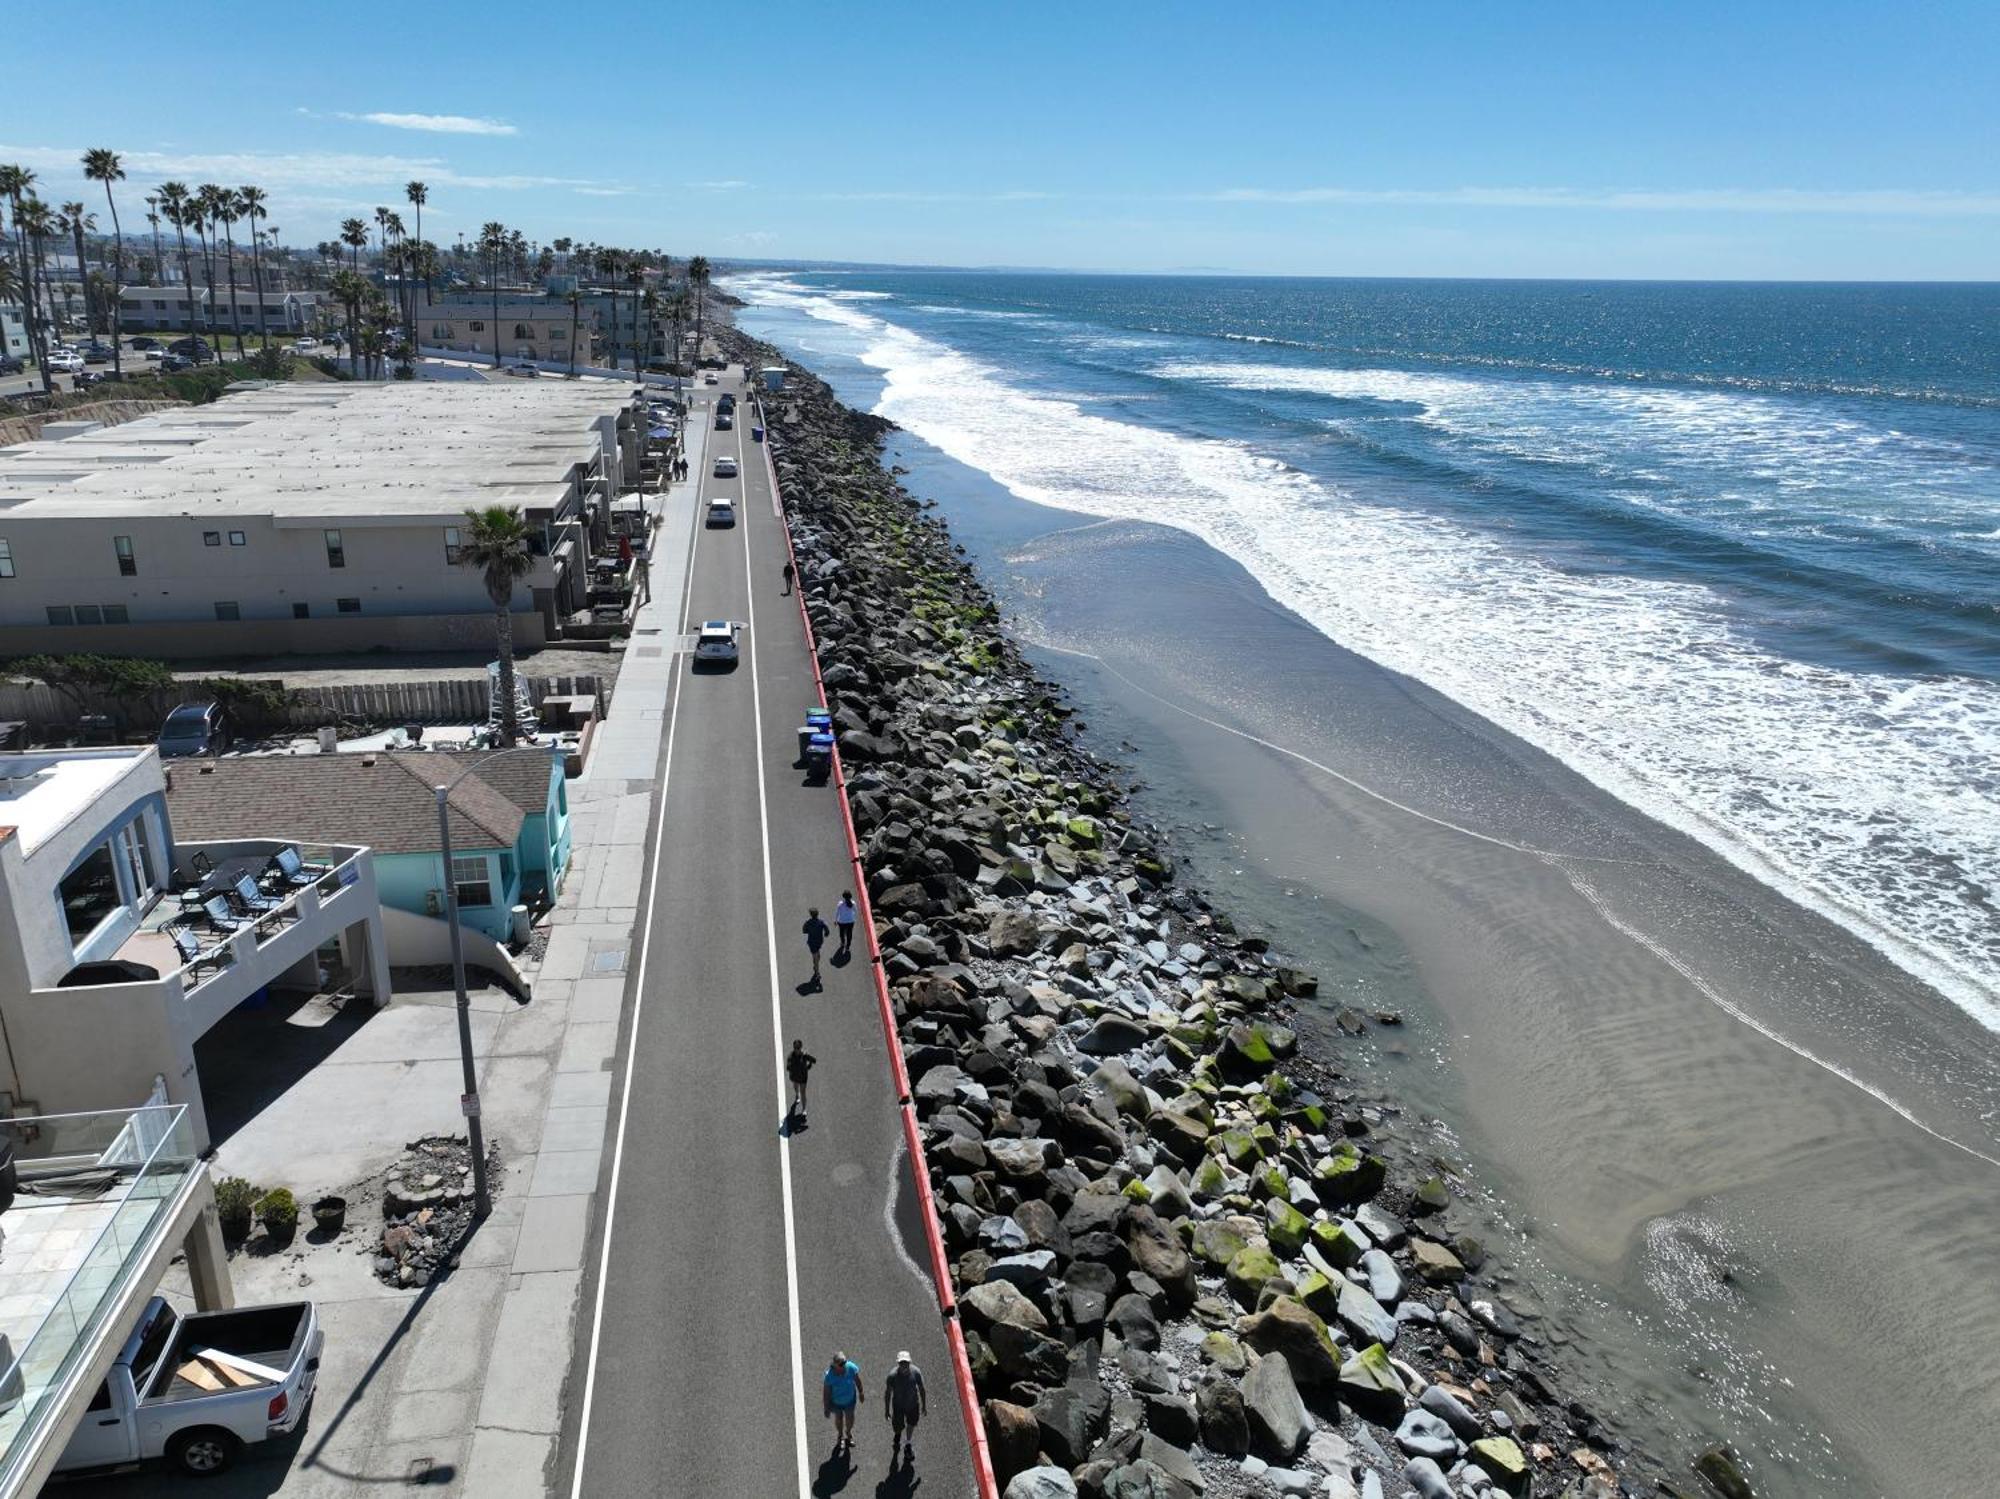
(815, 934)
(843, 918)
(798, 1067)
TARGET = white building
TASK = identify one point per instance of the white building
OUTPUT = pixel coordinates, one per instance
(121, 947)
(310, 518)
(523, 328)
(13, 331)
(166, 308)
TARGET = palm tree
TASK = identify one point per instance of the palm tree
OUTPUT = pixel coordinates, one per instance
(354, 234)
(419, 195)
(14, 184)
(575, 300)
(208, 220)
(34, 224)
(493, 244)
(698, 279)
(153, 218)
(250, 203)
(496, 542)
(71, 216)
(174, 203)
(562, 248)
(104, 166)
(348, 288)
(635, 277)
(225, 212)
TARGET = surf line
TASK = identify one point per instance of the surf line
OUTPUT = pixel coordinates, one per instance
(1327, 770)
(1583, 888)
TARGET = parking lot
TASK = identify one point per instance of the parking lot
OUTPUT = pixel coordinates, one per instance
(30, 381)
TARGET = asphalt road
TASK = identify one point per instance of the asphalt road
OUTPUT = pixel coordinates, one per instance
(736, 1259)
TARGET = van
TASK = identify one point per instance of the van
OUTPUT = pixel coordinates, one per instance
(194, 729)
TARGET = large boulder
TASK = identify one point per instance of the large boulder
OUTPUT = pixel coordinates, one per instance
(1216, 1241)
(1287, 1327)
(1507, 1465)
(1026, 1354)
(1182, 1136)
(1225, 1425)
(1115, 1081)
(1245, 1053)
(1012, 1437)
(1285, 1226)
(1349, 1176)
(1069, 1424)
(1011, 933)
(1112, 1034)
(1371, 1387)
(1041, 1483)
(1363, 1316)
(1156, 1249)
(1279, 1424)
(1248, 1269)
(1000, 1301)
(1435, 1263)
(1147, 1480)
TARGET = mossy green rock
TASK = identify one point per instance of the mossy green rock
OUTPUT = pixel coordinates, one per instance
(1247, 1271)
(1349, 1176)
(1216, 1242)
(1341, 1246)
(1321, 1296)
(1083, 832)
(1223, 1351)
(1504, 1463)
(1138, 1191)
(1245, 1053)
(1241, 1147)
(1432, 1197)
(1285, 1226)
(1270, 1181)
(1370, 1384)
(1209, 1179)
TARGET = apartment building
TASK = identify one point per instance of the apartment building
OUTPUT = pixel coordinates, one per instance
(168, 308)
(522, 328)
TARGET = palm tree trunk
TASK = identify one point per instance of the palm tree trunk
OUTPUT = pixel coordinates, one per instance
(257, 280)
(117, 285)
(38, 343)
(83, 277)
(503, 629)
(575, 308)
(496, 310)
(229, 260)
(187, 277)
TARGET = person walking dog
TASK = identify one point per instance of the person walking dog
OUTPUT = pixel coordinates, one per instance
(815, 935)
(843, 918)
(840, 1396)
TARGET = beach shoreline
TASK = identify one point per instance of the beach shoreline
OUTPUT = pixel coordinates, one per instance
(1635, 1241)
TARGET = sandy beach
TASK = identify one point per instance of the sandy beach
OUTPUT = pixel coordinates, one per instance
(1735, 1153)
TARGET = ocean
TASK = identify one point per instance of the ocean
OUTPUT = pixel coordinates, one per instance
(1730, 552)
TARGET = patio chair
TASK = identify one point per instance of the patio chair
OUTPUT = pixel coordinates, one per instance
(255, 901)
(216, 908)
(186, 943)
(288, 868)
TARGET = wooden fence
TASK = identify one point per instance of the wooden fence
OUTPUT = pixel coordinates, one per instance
(441, 700)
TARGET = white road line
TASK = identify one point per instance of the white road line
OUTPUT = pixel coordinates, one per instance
(632, 1042)
(777, 1010)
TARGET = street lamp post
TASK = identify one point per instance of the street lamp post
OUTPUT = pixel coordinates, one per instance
(482, 1200)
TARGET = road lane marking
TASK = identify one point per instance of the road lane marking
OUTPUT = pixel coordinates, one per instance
(632, 1044)
(777, 1014)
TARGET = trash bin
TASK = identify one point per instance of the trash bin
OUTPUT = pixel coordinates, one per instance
(518, 922)
(806, 732)
(819, 720)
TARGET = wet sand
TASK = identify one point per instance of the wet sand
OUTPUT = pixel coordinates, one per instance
(1749, 1166)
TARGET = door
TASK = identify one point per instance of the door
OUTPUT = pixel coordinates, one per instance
(103, 1436)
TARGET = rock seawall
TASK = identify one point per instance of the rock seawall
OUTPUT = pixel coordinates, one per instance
(1188, 1258)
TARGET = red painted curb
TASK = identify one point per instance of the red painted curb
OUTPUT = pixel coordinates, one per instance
(968, 1395)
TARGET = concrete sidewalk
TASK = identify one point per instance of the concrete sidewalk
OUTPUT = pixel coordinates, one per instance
(458, 1386)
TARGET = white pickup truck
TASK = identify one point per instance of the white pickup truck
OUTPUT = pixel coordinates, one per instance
(196, 1390)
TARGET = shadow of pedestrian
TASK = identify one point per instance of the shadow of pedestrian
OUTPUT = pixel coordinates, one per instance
(900, 1484)
(833, 1474)
(842, 959)
(795, 1124)
(810, 986)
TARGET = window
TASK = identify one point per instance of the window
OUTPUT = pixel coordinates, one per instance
(474, 886)
(302, 611)
(6, 558)
(60, 614)
(89, 894)
(477, 327)
(114, 614)
(348, 606)
(440, 331)
(453, 550)
(522, 330)
(128, 565)
(336, 554)
(226, 609)
(238, 539)
(89, 614)
(211, 538)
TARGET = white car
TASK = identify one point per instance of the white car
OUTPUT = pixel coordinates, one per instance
(716, 641)
(154, 355)
(725, 468)
(64, 361)
(523, 371)
(721, 512)
(305, 345)
(709, 378)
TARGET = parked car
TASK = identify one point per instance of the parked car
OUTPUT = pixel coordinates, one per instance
(709, 378)
(65, 361)
(11, 365)
(87, 378)
(194, 729)
(523, 371)
(725, 402)
(715, 642)
(96, 353)
(145, 341)
(306, 345)
(198, 1389)
(191, 348)
(721, 512)
(725, 467)
(174, 363)
(155, 354)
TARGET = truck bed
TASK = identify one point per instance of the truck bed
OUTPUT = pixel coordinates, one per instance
(269, 1335)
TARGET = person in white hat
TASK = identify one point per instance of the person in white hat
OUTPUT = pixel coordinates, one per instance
(904, 1403)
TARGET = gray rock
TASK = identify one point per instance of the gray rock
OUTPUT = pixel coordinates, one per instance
(1385, 1280)
(940, 1085)
(1013, 932)
(1292, 1481)
(999, 1302)
(1225, 1425)
(1028, 1270)
(1339, 1486)
(1362, 1315)
(1493, 1315)
(1145, 1480)
(1279, 1423)
(1041, 1483)
(1001, 1235)
(1448, 1408)
(1459, 1333)
(1371, 1485)
(1425, 1435)
(1110, 1035)
(1417, 1312)
(1381, 1225)
(1172, 1461)
(1427, 1478)
(1330, 1450)
(1132, 1318)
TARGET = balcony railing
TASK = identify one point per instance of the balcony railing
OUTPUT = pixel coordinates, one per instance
(97, 1191)
(333, 869)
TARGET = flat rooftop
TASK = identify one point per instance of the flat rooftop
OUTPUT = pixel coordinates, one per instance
(41, 793)
(308, 453)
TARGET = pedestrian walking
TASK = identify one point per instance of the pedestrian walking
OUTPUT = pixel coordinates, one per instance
(788, 577)
(843, 918)
(840, 1396)
(905, 1403)
(815, 935)
(798, 1067)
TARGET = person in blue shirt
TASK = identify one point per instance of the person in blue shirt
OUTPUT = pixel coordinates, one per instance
(840, 1396)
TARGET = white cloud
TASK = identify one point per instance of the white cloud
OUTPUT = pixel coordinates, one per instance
(719, 187)
(292, 169)
(1871, 201)
(436, 124)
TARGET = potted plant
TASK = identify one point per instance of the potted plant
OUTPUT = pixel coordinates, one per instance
(235, 1206)
(330, 1214)
(278, 1211)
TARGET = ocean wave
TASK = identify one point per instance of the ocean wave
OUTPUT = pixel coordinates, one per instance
(1869, 798)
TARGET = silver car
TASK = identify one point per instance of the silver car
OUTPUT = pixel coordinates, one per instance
(715, 643)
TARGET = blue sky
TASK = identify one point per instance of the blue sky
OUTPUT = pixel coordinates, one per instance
(1832, 139)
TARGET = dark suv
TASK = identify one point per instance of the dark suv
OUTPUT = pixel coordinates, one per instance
(194, 729)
